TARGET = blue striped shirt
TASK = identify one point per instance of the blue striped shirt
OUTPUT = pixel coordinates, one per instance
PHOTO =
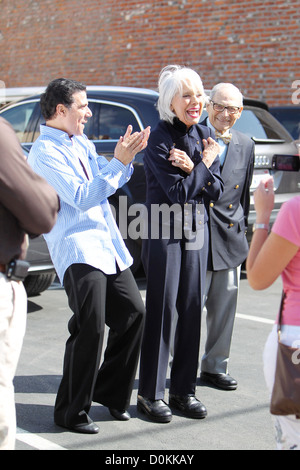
(85, 231)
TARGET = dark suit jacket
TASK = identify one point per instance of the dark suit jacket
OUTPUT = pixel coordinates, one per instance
(228, 216)
(168, 184)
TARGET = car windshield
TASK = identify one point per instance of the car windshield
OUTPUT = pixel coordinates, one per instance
(259, 124)
(290, 118)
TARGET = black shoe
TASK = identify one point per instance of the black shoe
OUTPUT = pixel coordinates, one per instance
(157, 410)
(189, 405)
(121, 415)
(222, 381)
(84, 428)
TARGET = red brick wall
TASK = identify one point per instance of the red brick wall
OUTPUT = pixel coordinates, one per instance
(254, 44)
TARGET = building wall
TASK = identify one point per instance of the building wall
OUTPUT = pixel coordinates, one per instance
(252, 44)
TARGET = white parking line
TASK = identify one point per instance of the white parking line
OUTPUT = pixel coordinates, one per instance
(254, 318)
(40, 443)
(35, 441)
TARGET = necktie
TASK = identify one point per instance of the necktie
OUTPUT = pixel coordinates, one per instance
(225, 137)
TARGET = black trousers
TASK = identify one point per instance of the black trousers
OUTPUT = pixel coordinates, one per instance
(175, 282)
(97, 299)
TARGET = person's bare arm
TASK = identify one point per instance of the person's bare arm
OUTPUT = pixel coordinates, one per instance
(268, 255)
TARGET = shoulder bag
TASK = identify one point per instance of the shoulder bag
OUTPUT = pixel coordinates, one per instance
(285, 398)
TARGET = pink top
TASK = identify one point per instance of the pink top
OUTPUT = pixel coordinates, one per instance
(287, 225)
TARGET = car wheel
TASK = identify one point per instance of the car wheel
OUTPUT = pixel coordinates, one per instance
(34, 285)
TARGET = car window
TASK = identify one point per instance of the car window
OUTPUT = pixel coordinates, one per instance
(290, 118)
(109, 121)
(260, 124)
(19, 117)
(33, 127)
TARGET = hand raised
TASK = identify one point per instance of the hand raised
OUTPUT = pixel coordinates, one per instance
(264, 199)
(210, 152)
(180, 159)
(131, 144)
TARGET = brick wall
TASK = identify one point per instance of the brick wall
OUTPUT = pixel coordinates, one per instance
(252, 44)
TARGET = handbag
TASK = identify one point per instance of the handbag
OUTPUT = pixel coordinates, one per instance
(285, 398)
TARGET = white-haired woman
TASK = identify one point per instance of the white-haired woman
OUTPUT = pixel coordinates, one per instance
(183, 178)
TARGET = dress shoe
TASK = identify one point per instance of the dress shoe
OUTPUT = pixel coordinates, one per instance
(84, 428)
(121, 415)
(189, 405)
(223, 381)
(157, 410)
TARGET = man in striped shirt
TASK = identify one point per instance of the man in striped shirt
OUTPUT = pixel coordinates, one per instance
(90, 258)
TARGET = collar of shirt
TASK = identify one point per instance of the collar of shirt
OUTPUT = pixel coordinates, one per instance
(55, 133)
(77, 145)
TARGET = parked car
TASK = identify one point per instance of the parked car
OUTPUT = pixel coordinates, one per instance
(114, 108)
(7, 95)
(41, 273)
(289, 117)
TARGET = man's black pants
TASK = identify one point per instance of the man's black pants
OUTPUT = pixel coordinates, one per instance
(97, 299)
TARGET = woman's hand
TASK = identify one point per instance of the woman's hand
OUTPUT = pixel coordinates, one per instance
(180, 159)
(210, 152)
(131, 144)
(264, 200)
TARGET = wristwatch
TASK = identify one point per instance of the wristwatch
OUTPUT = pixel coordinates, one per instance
(261, 226)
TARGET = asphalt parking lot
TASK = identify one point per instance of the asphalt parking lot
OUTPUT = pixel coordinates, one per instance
(237, 420)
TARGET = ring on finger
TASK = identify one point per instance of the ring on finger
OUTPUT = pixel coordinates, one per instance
(176, 161)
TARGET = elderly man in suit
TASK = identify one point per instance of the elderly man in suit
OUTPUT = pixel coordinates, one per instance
(227, 225)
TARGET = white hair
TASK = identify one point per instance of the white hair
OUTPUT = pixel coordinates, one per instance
(230, 87)
(170, 82)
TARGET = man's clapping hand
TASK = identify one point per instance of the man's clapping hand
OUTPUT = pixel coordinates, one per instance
(131, 144)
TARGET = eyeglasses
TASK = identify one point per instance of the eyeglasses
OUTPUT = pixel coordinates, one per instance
(220, 108)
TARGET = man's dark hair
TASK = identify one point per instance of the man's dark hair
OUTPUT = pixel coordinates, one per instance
(59, 91)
